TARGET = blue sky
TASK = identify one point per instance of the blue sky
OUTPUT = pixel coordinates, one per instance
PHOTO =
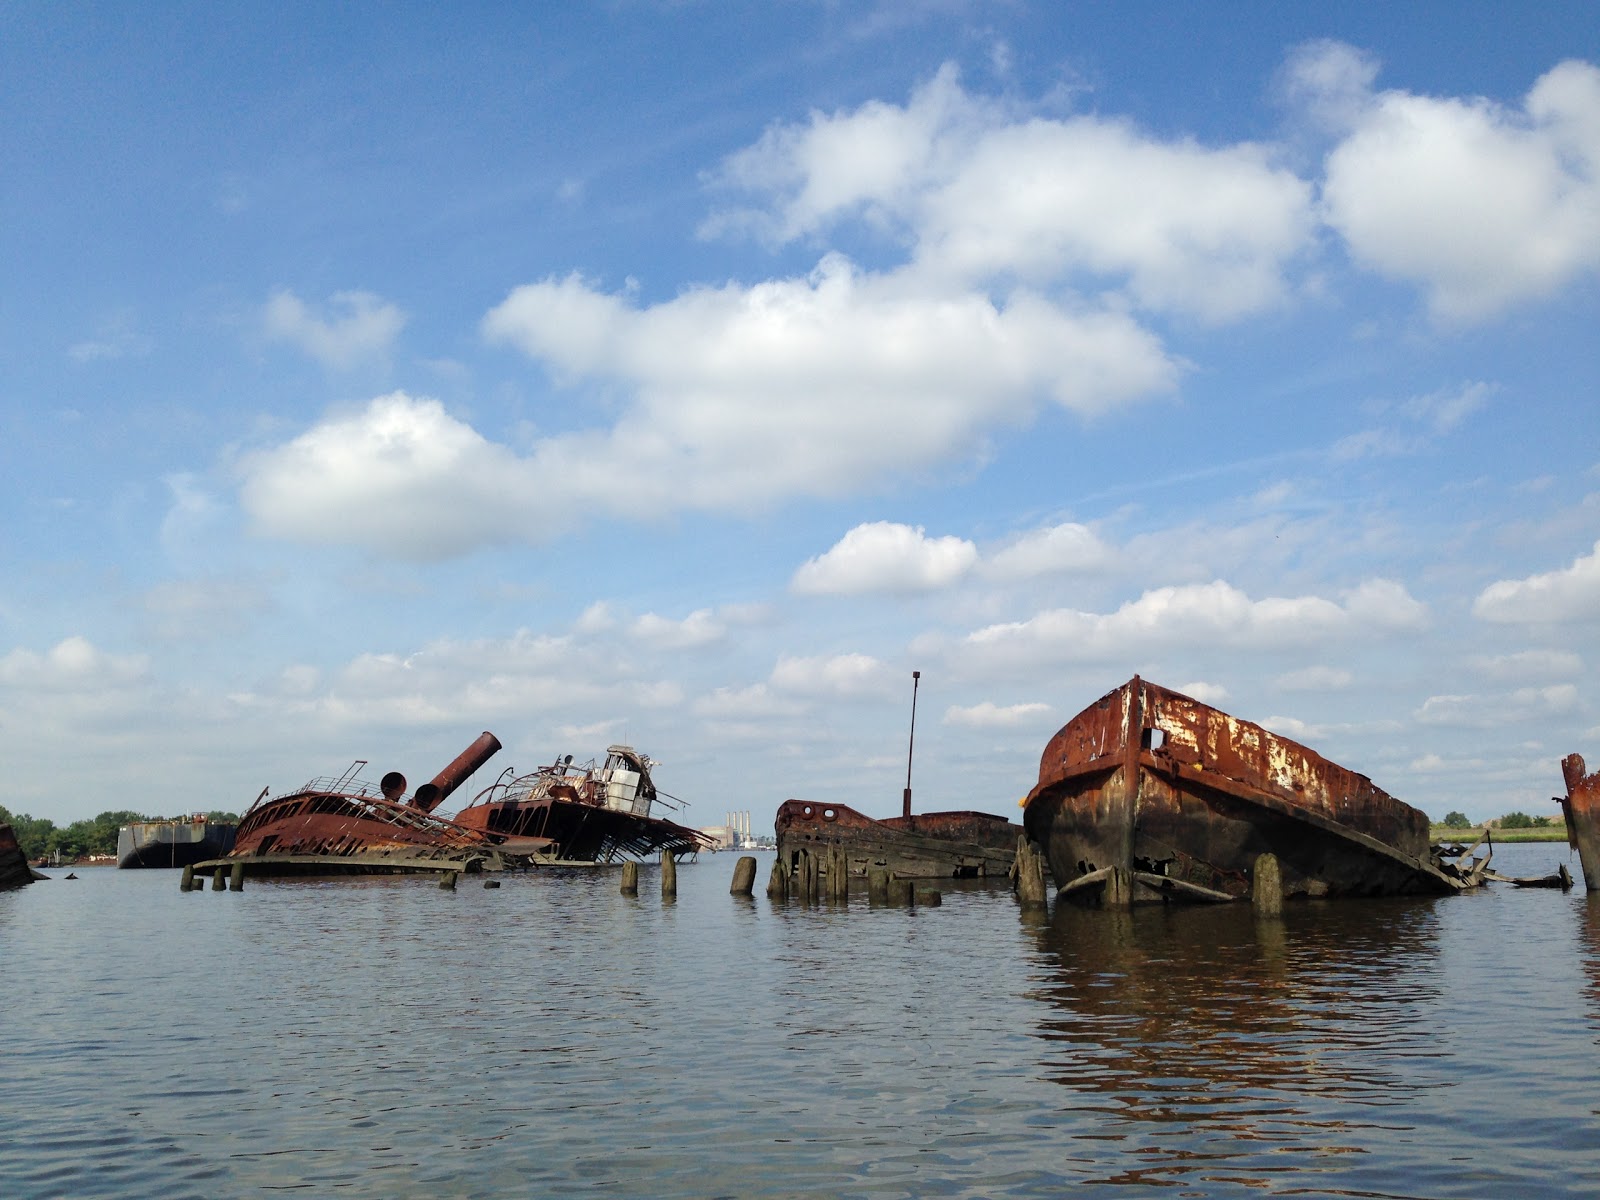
(689, 374)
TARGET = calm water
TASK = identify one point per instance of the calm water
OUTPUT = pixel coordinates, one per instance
(383, 1038)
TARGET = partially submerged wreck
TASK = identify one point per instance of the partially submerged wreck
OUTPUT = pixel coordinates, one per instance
(175, 843)
(345, 826)
(937, 845)
(585, 814)
(1152, 796)
(1581, 807)
(14, 868)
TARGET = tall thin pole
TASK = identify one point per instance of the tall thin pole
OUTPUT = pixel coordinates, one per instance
(912, 744)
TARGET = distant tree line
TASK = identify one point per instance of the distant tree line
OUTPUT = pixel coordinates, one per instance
(1512, 820)
(39, 837)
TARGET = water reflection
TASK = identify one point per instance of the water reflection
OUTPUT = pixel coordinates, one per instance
(1215, 1047)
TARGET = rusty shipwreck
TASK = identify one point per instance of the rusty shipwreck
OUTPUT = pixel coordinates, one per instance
(585, 814)
(1152, 796)
(1581, 807)
(346, 826)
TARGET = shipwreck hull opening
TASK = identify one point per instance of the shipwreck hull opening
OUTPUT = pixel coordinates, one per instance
(940, 845)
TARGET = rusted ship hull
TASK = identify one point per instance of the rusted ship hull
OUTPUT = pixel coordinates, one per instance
(1151, 796)
(583, 815)
(1581, 806)
(14, 868)
(343, 826)
(941, 845)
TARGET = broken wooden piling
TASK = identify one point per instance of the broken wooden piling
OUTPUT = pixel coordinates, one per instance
(630, 878)
(236, 879)
(744, 877)
(1266, 886)
(669, 876)
(1028, 874)
(777, 883)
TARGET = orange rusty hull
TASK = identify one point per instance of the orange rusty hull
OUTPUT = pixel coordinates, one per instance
(1181, 800)
(941, 845)
(1581, 805)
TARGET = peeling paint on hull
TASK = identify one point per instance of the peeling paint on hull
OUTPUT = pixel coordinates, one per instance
(1581, 806)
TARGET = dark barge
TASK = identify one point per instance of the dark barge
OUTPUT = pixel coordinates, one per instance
(584, 815)
(176, 843)
(1148, 796)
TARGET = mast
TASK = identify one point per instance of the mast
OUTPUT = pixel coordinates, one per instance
(912, 744)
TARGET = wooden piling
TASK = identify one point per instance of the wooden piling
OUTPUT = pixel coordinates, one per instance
(1266, 886)
(877, 885)
(630, 878)
(219, 880)
(447, 880)
(186, 884)
(744, 877)
(812, 866)
(1028, 874)
(491, 883)
(236, 878)
(669, 876)
(930, 897)
(777, 883)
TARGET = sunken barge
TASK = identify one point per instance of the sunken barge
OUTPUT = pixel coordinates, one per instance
(938, 845)
(583, 815)
(1150, 796)
(345, 826)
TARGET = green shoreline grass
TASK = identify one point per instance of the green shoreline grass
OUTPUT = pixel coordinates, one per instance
(1545, 833)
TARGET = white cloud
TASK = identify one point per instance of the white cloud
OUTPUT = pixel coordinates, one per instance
(1556, 597)
(1481, 205)
(838, 675)
(73, 664)
(401, 476)
(1528, 665)
(757, 700)
(361, 327)
(1055, 549)
(885, 557)
(699, 628)
(1315, 679)
(1206, 693)
(984, 192)
(1492, 711)
(190, 609)
(989, 715)
(1214, 614)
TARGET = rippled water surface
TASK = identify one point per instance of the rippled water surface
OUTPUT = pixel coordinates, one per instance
(384, 1038)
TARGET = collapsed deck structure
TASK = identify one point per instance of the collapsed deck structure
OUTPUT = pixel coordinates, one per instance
(585, 814)
(1148, 795)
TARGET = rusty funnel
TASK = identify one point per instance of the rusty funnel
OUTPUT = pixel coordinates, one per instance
(430, 795)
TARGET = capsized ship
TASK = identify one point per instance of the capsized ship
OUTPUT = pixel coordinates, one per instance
(345, 826)
(585, 814)
(177, 843)
(1152, 796)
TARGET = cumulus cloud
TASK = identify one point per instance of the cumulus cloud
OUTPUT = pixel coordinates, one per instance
(885, 557)
(989, 715)
(699, 628)
(1065, 547)
(360, 327)
(1570, 594)
(980, 192)
(757, 700)
(71, 665)
(189, 609)
(1315, 679)
(1480, 204)
(840, 675)
(1497, 710)
(1214, 614)
(1529, 665)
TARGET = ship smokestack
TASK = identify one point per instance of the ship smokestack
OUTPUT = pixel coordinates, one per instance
(430, 795)
(393, 785)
